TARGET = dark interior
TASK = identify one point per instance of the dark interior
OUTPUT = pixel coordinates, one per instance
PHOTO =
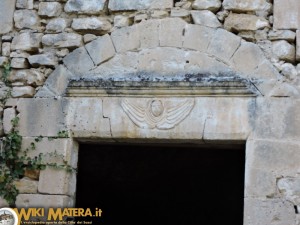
(162, 185)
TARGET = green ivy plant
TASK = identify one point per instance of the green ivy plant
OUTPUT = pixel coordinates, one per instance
(13, 162)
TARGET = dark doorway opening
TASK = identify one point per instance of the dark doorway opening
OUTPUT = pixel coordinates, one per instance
(162, 185)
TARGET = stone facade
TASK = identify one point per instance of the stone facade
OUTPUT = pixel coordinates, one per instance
(249, 50)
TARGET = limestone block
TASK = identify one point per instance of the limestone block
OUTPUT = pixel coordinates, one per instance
(290, 188)
(184, 13)
(7, 8)
(32, 20)
(3, 61)
(149, 33)
(205, 18)
(19, 63)
(45, 201)
(289, 71)
(174, 26)
(223, 44)
(84, 6)
(29, 77)
(57, 25)
(44, 117)
(197, 37)
(212, 5)
(46, 59)
(93, 25)
(268, 211)
(281, 20)
(284, 50)
(121, 21)
(159, 14)
(288, 35)
(23, 92)
(24, 4)
(101, 49)
(6, 49)
(3, 203)
(120, 5)
(244, 22)
(26, 185)
(62, 40)
(62, 182)
(126, 38)
(78, 61)
(27, 41)
(298, 46)
(50, 9)
(247, 5)
(8, 115)
(4, 90)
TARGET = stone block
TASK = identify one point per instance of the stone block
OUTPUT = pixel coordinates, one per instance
(3, 61)
(205, 18)
(46, 59)
(7, 8)
(32, 20)
(101, 49)
(57, 181)
(50, 9)
(23, 92)
(44, 201)
(268, 211)
(126, 38)
(174, 26)
(54, 150)
(85, 7)
(78, 61)
(27, 41)
(26, 186)
(197, 37)
(9, 114)
(121, 21)
(298, 46)
(212, 5)
(149, 33)
(19, 63)
(57, 25)
(223, 44)
(62, 40)
(87, 38)
(44, 117)
(94, 25)
(284, 50)
(281, 20)
(276, 35)
(24, 4)
(120, 5)
(34, 77)
(6, 49)
(247, 5)
(289, 187)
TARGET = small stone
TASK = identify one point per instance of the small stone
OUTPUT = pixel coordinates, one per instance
(6, 48)
(43, 60)
(19, 63)
(62, 52)
(19, 54)
(211, 5)
(275, 35)
(261, 35)
(247, 35)
(26, 19)
(284, 50)
(3, 203)
(84, 6)
(34, 77)
(93, 25)
(244, 22)
(222, 15)
(3, 61)
(121, 21)
(27, 41)
(56, 25)
(88, 38)
(26, 185)
(247, 5)
(289, 71)
(121, 5)
(4, 91)
(159, 14)
(62, 40)
(8, 115)
(50, 9)
(24, 4)
(23, 92)
(205, 18)
(180, 13)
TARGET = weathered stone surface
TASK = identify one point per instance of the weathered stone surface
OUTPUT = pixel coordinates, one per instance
(3, 203)
(26, 19)
(121, 21)
(4, 90)
(26, 185)
(78, 61)
(290, 188)
(159, 14)
(62, 40)
(84, 6)
(43, 60)
(284, 50)
(87, 38)
(174, 26)
(27, 41)
(120, 5)
(62, 182)
(268, 211)
(101, 49)
(91, 25)
(19, 63)
(288, 35)
(57, 25)
(34, 77)
(41, 117)
(50, 9)
(3, 61)
(6, 49)
(8, 115)
(247, 5)
(197, 37)
(298, 46)
(24, 4)
(23, 92)
(289, 71)
(223, 44)
(7, 8)
(281, 20)
(44, 201)
(205, 18)
(180, 13)
(126, 38)
(244, 22)
(149, 33)
(212, 5)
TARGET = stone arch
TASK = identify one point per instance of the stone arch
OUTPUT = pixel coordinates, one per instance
(165, 46)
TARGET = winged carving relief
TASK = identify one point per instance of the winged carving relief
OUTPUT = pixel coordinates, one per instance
(157, 113)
